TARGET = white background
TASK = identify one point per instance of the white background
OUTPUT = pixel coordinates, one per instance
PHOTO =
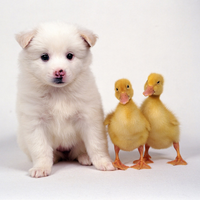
(135, 39)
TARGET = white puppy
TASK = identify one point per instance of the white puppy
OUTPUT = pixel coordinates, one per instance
(58, 105)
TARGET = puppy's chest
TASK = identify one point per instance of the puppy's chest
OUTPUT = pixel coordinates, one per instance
(61, 107)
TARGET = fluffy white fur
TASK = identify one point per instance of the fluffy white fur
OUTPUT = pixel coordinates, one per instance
(68, 116)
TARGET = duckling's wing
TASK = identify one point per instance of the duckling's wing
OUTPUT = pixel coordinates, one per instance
(175, 122)
(108, 118)
(173, 119)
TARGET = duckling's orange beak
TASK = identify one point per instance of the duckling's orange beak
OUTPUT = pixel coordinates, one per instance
(124, 98)
(149, 91)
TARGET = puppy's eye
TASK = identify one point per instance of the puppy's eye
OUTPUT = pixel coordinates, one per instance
(116, 89)
(127, 86)
(70, 56)
(45, 57)
(158, 82)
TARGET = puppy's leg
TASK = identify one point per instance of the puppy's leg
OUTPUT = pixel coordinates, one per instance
(40, 151)
(84, 159)
(95, 141)
(79, 152)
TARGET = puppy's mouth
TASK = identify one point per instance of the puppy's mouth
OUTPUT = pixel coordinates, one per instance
(58, 80)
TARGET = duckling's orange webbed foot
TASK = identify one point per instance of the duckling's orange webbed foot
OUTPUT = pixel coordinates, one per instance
(136, 161)
(148, 160)
(117, 163)
(140, 164)
(179, 160)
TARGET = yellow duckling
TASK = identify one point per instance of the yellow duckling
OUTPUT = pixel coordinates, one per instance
(164, 125)
(127, 127)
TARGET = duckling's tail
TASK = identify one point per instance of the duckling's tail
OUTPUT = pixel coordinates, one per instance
(108, 119)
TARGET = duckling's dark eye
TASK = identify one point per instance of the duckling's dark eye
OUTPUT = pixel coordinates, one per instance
(70, 56)
(45, 57)
(127, 86)
(158, 82)
(116, 89)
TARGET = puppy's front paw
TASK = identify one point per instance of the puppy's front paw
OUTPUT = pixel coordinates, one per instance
(38, 172)
(104, 165)
(84, 159)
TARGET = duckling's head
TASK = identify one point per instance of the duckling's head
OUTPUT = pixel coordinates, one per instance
(123, 90)
(154, 85)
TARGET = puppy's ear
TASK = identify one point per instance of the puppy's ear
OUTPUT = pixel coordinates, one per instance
(89, 37)
(24, 38)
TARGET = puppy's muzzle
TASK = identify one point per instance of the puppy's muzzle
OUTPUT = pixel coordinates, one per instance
(59, 76)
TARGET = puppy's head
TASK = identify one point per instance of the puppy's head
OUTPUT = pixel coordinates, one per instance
(56, 53)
